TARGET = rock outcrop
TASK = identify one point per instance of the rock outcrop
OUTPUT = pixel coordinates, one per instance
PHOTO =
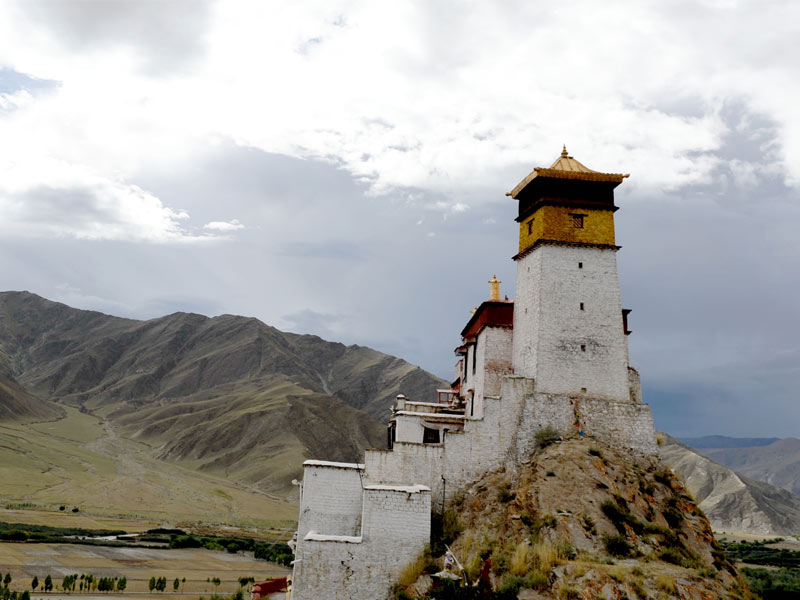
(580, 520)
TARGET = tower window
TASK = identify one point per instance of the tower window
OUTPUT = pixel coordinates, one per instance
(580, 265)
(530, 227)
(583, 347)
(581, 305)
(577, 221)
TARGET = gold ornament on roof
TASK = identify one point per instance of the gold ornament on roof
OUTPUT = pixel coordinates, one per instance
(494, 288)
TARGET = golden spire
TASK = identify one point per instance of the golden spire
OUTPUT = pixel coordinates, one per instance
(474, 310)
(564, 152)
(494, 288)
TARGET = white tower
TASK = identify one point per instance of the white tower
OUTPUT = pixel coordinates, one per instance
(569, 327)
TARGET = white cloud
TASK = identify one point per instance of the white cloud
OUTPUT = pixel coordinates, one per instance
(401, 95)
(232, 225)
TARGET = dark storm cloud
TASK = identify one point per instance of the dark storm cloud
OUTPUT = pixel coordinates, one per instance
(705, 271)
(165, 35)
(708, 271)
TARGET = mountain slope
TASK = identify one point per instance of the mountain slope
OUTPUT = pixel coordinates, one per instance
(18, 405)
(733, 502)
(776, 463)
(724, 441)
(228, 395)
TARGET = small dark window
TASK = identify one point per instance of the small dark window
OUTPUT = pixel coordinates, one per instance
(583, 390)
(583, 347)
(580, 265)
(430, 436)
(530, 227)
(581, 305)
(577, 221)
(474, 356)
(391, 436)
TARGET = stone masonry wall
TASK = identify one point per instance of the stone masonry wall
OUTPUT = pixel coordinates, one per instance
(448, 467)
(622, 425)
(493, 363)
(568, 331)
(506, 435)
(395, 530)
(331, 501)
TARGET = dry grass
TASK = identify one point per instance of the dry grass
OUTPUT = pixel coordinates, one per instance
(521, 559)
(545, 556)
(74, 462)
(412, 571)
(666, 584)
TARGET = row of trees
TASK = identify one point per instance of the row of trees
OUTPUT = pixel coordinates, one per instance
(7, 594)
(48, 583)
(90, 583)
(84, 582)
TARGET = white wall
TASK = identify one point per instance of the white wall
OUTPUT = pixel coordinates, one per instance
(563, 347)
(330, 502)
(395, 530)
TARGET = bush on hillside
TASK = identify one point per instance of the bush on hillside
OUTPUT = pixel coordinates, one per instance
(546, 436)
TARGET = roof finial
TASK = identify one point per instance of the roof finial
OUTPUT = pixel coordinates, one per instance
(564, 153)
(494, 288)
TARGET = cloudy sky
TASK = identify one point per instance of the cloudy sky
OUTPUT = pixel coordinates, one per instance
(339, 168)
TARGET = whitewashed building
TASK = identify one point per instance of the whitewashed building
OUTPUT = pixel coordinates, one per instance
(556, 356)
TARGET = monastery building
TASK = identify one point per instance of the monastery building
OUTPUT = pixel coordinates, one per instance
(556, 356)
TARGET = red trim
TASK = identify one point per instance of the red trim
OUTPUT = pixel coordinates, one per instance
(492, 313)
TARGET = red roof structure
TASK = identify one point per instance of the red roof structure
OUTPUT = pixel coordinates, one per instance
(492, 313)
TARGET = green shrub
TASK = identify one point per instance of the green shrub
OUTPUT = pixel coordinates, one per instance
(662, 476)
(567, 551)
(617, 545)
(445, 528)
(14, 535)
(673, 516)
(678, 556)
(504, 493)
(537, 580)
(546, 436)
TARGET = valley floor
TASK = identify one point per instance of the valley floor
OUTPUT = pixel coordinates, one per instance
(138, 565)
(80, 462)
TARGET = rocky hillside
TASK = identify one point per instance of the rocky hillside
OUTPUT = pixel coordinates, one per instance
(733, 502)
(18, 405)
(580, 520)
(776, 462)
(227, 394)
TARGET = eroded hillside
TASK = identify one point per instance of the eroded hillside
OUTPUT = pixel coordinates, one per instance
(227, 395)
(733, 502)
(580, 520)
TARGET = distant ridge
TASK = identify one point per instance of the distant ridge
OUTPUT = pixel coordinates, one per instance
(723, 441)
(229, 395)
(731, 501)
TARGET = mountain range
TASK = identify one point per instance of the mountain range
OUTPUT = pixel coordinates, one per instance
(227, 395)
(222, 412)
(733, 502)
(771, 460)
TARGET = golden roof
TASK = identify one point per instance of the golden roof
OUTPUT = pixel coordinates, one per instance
(566, 167)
